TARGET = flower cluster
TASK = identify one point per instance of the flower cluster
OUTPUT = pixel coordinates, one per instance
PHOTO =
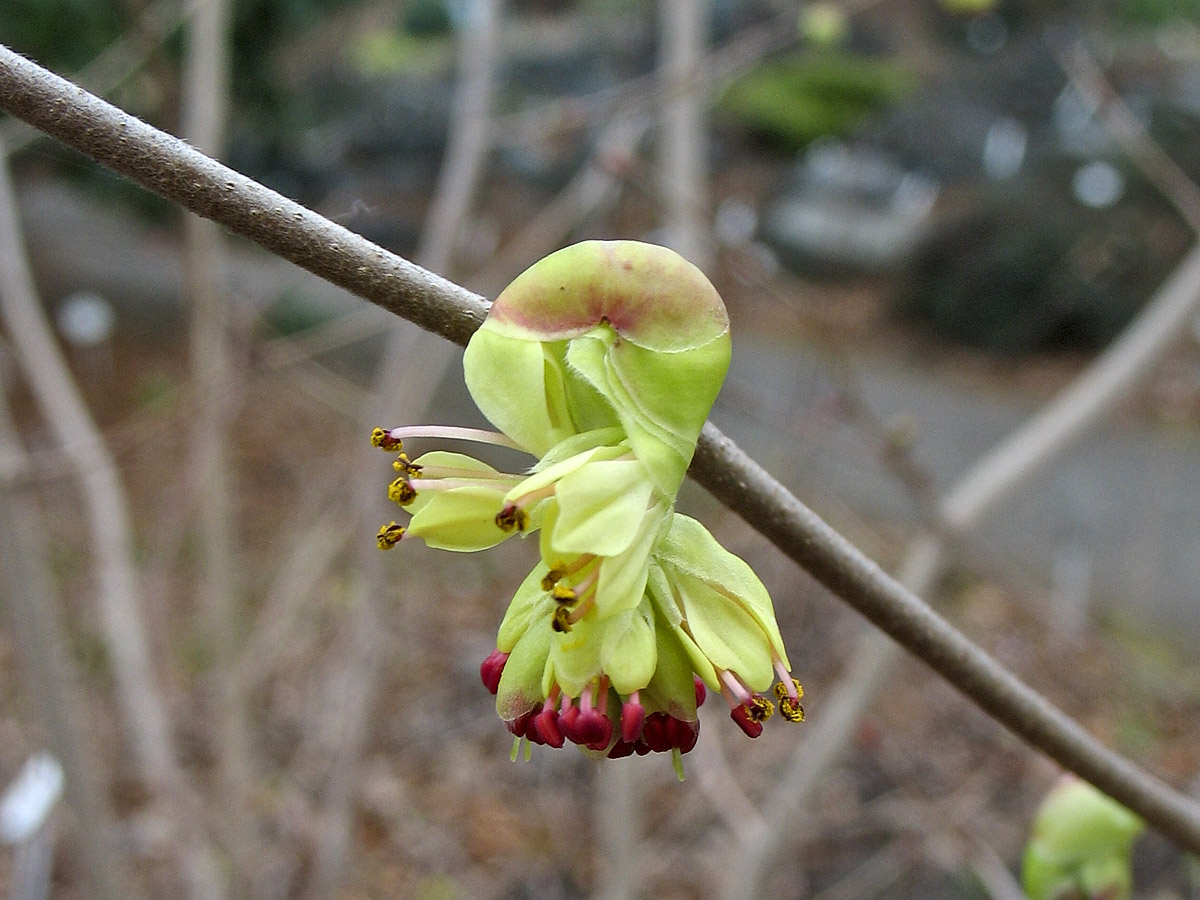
(602, 361)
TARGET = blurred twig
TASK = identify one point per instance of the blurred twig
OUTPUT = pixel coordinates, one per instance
(41, 642)
(682, 132)
(111, 536)
(411, 368)
(205, 100)
(1123, 126)
(1010, 464)
(991, 480)
(180, 173)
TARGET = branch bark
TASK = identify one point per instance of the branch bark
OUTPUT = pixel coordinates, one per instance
(182, 174)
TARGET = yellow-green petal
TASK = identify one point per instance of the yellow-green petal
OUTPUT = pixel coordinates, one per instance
(530, 604)
(724, 631)
(520, 688)
(628, 651)
(689, 547)
(601, 506)
(622, 578)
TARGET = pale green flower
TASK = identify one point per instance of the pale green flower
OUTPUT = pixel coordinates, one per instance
(602, 361)
(1081, 846)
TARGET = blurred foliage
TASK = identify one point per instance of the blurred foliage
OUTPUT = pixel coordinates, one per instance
(1158, 12)
(793, 100)
(967, 7)
(61, 34)
(427, 17)
(260, 26)
(66, 34)
(824, 24)
(387, 52)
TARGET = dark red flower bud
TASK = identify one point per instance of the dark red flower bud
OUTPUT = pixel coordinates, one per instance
(741, 715)
(568, 721)
(545, 724)
(633, 716)
(620, 749)
(520, 725)
(655, 732)
(491, 669)
(684, 734)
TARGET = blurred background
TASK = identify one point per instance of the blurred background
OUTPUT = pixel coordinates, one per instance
(928, 218)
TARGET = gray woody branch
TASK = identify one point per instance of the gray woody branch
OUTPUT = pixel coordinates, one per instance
(174, 170)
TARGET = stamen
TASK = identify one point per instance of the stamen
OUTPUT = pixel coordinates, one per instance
(792, 687)
(588, 582)
(403, 464)
(532, 497)
(389, 536)
(563, 595)
(683, 734)
(511, 518)
(738, 689)
(551, 579)
(402, 492)
(582, 608)
(385, 441)
(621, 749)
(759, 709)
(568, 717)
(561, 621)
(580, 563)
(447, 484)
(545, 724)
(445, 432)
(789, 700)
(467, 475)
(654, 733)
(561, 570)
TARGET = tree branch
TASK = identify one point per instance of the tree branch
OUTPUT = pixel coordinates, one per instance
(174, 170)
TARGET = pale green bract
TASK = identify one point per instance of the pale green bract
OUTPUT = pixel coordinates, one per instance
(603, 361)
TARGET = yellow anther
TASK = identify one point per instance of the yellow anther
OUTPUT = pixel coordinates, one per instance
(384, 440)
(512, 517)
(402, 492)
(552, 578)
(562, 620)
(791, 710)
(788, 708)
(403, 464)
(389, 535)
(563, 594)
(781, 690)
(759, 709)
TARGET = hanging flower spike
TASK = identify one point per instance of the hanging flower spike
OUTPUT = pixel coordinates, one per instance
(603, 361)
